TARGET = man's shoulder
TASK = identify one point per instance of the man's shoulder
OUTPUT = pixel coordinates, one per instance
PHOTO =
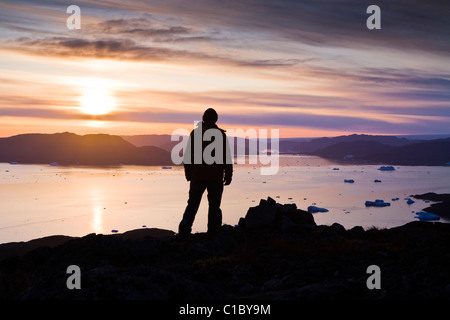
(202, 130)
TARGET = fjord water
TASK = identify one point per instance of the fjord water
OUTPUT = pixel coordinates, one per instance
(42, 200)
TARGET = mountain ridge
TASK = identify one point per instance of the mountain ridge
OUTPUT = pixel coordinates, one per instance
(431, 152)
(71, 149)
(103, 149)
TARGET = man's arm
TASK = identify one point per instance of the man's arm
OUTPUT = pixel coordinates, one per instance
(228, 162)
(188, 159)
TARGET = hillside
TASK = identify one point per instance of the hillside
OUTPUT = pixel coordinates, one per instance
(359, 150)
(103, 149)
(72, 149)
(164, 141)
(432, 152)
(277, 252)
(314, 145)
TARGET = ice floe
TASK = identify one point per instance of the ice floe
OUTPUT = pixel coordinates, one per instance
(314, 209)
(386, 168)
(377, 203)
(426, 216)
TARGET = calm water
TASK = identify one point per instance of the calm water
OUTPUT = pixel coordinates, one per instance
(42, 200)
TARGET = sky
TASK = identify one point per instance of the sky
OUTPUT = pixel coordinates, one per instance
(307, 68)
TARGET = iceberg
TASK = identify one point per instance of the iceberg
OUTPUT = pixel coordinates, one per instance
(426, 216)
(54, 164)
(166, 168)
(386, 168)
(314, 209)
(377, 203)
(349, 181)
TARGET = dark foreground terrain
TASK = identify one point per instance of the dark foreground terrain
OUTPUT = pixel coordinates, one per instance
(276, 252)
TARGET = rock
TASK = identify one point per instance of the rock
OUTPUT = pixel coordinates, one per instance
(286, 224)
(357, 231)
(287, 259)
(261, 216)
(349, 181)
(337, 227)
(270, 214)
(441, 208)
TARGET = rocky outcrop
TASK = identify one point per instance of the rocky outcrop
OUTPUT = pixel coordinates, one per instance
(276, 252)
(442, 205)
(275, 216)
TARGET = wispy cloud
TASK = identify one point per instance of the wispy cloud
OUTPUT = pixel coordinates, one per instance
(267, 62)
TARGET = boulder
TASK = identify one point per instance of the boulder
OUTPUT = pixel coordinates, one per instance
(270, 214)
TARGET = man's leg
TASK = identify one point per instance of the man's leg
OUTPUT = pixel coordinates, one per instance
(196, 190)
(215, 190)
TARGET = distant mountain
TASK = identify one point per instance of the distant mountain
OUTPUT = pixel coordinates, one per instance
(357, 150)
(157, 140)
(361, 147)
(431, 152)
(307, 147)
(164, 141)
(103, 149)
(69, 149)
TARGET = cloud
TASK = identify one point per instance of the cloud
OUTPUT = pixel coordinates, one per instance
(161, 29)
(33, 112)
(308, 56)
(127, 49)
(417, 25)
(138, 26)
(120, 49)
(261, 119)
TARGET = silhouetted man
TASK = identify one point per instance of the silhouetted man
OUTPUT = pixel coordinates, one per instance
(208, 166)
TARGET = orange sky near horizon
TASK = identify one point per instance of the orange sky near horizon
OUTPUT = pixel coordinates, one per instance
(153, 67)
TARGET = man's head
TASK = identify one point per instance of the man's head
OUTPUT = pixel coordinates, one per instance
(210, 116)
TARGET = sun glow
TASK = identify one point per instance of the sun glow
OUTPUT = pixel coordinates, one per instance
(97, 98)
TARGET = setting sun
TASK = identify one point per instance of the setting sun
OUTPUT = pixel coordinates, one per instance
(97, 98)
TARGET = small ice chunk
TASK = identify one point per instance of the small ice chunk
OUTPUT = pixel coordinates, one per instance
(425, 216)
(377, 203)
(386, 168)
(313, 209)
